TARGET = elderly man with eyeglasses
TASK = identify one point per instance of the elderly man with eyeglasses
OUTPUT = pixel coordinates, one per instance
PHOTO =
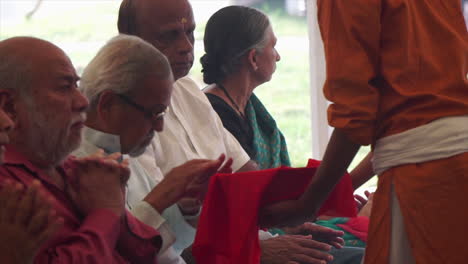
(129, 85)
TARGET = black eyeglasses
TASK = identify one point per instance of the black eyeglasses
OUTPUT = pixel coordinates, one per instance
(150, 114)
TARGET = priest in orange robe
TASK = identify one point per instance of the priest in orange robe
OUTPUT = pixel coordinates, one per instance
(397, 79)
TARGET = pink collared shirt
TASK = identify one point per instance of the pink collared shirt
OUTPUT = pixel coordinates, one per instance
(99, 237)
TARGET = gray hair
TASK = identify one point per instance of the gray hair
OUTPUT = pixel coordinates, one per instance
(229, 34)
(120, 65)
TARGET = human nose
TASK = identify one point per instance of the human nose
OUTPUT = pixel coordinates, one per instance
(6, 124)
(186, 44)
(158, 125)
(80, 102)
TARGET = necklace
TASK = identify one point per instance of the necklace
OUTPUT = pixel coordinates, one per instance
(230, 99)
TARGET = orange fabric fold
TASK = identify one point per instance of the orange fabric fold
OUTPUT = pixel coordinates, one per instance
(433, 203)
(393, 65)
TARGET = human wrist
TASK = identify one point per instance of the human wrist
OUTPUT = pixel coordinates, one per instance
(161, 197)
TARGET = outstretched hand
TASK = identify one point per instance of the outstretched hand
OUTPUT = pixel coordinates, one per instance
(199, 185)
(189, 180)
(361, 201)
(366, 208)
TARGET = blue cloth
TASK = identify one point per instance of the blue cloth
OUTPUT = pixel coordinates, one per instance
(347, 255)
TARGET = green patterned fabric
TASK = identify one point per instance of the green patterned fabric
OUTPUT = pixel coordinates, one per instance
(268, 141)
(350, 239)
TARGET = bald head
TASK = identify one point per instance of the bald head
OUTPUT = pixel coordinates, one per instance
(167, 25)
(48, 108)
(23, 60)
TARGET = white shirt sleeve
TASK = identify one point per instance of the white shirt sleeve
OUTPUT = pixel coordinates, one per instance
(148, 215)
(183, 231)
(235, 150)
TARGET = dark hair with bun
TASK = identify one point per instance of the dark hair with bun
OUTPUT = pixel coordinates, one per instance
(229, 34)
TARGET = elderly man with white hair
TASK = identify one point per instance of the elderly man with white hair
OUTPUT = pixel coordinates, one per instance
(129, 85)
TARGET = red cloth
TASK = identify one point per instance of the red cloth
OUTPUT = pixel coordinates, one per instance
(357, 226)
(100, 237)
(227, 232)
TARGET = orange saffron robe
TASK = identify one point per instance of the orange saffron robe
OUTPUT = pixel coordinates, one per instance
(393, 65)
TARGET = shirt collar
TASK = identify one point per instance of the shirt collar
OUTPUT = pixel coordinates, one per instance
(110, 143)
(15, 158)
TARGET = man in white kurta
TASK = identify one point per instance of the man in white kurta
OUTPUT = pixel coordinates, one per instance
(192, 130)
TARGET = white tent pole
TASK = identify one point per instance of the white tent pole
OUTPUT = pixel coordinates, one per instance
(320, 129)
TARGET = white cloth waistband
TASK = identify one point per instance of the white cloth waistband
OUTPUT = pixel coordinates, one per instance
(442, 138)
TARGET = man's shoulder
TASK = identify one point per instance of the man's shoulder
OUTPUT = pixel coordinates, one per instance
(186, 86)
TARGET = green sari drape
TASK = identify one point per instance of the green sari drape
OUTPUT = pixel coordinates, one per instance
(268, 141)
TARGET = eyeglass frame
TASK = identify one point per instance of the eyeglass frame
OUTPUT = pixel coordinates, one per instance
(151, 115)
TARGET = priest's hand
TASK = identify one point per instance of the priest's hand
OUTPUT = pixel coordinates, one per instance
(285, 213)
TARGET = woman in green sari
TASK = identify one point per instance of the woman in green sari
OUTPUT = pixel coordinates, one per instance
(241, 55)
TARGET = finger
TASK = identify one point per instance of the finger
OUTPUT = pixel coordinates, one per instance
(360, 199)
(106, 162)
(309, 243)
(108, 165)
(98, 154)
(328, 232)
(124, 175)
(114, 156)
(221, 158)
(124, 163)
(336, 245)
(26, 204)
(206, 170)
(337, 240)
(227, 167)
(110, 161)
(301, 236)
(367, 193)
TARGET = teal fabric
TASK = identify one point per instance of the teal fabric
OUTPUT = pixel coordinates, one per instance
(268, 141)
(350, 239)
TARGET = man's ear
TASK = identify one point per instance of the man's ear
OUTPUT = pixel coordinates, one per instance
(105, 102)
(252, 58)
